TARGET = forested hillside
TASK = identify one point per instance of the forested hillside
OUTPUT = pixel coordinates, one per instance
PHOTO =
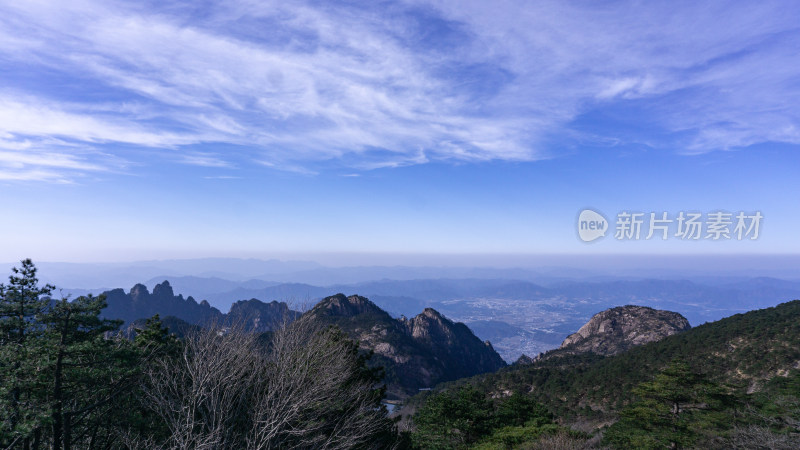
(731, 382)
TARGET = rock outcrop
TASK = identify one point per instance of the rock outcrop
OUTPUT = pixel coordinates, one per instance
(617, 329)
(416, 353)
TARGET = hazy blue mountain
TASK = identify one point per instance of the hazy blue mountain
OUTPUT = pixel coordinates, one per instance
(298, 295)
(139, 303)
(259, 316)
(546, 314)
(437, 290)
(205, 287)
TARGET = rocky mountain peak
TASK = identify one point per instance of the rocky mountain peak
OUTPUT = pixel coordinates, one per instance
(431, 325)
(259, 316)
(341, 305)
(617, 329)
(416, 353)
(431, 313)
(163, 290)
(139, 292)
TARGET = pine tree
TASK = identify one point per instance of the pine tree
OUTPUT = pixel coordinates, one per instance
(84, 368)
(61, 367)
(453, 419)
(673, 411)
(21, 302)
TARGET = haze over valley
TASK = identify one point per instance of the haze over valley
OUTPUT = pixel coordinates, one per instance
(520, 311)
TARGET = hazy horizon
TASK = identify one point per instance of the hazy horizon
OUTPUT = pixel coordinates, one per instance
(344, 269)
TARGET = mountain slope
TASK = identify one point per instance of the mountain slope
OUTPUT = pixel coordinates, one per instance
(744, 351)
(416, 353)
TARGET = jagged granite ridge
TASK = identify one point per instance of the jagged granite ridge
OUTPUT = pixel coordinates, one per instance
(416, 353)
(139, 303)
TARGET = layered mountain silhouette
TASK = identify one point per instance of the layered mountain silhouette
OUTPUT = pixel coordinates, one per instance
(139, 303)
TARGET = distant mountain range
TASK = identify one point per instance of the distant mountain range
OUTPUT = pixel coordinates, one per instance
(415, 353)
(544, 269)
(698, 302)
(139, 303)
(517, 316)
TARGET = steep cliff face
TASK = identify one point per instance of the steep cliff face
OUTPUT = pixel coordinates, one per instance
(453, 343)
(416, 353)
(617, 329)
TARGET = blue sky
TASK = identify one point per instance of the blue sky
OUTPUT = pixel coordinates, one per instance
(146, 130)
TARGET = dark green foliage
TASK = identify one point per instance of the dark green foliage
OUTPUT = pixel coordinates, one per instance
(155, 338)
(675, 410)
(22, 301)
(739, 351)
(82, 370)
(61, 370)
(509, 437)
(460, 417)
(171, 324)
(453, 419)
(721, 361)
(773, 415)
(519, 409)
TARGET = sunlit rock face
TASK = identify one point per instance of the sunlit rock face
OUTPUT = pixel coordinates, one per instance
(416, 353)
(617, 329)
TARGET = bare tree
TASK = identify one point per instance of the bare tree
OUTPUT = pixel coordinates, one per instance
(303, 387)
(312, 393)
(760, 432)
(202, 394)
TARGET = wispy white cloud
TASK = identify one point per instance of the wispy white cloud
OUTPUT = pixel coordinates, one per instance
(290, 85)
(37, 117)
(203, 159)
(51, 176)
(717, 75)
